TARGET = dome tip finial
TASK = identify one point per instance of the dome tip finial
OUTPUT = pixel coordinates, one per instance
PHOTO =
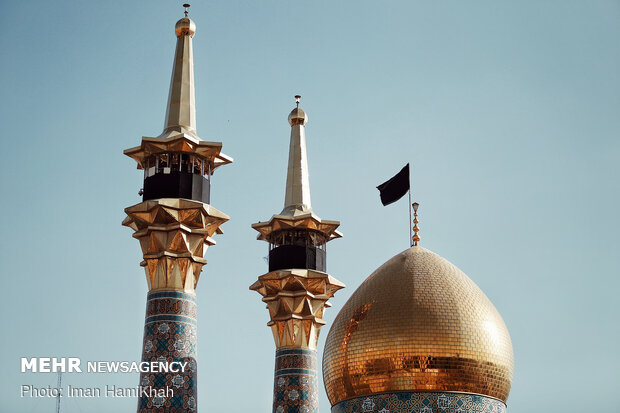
(416, 238)
(186, 6)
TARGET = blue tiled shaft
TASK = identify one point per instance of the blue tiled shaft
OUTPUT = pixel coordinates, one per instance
(169, 335)
(296, 382)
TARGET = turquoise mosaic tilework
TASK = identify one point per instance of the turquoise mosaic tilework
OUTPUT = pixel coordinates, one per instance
(296, 382)
(170, 335)
(421, 402)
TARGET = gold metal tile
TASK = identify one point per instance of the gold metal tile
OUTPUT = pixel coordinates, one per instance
(174, 235)
(417, 323)
(296, 300)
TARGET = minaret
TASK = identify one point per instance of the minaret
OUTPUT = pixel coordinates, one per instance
(174, 224)
(296, 288)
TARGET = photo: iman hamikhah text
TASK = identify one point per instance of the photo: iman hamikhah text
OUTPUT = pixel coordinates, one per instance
(109, 391)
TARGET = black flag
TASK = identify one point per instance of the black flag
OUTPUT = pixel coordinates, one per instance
(393, 189)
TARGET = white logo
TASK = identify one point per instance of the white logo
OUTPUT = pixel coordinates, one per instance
(443, 402)
(368, 405)
(179, 345)
(158, 401)
(178, 380)
(163, 328)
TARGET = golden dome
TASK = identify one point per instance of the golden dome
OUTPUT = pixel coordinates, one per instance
(297, 117)
(185, 26)
(418, 323)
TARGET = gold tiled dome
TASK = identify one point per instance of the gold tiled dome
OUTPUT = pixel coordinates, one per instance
(418, 323)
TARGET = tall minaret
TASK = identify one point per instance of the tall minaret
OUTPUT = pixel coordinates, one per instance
(174, 224)
(296, 288)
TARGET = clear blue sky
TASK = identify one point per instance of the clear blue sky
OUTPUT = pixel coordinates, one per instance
(507, 111)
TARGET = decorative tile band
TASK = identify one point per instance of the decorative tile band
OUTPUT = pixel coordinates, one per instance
(173, 318)
(169, 335)
(159, 303)
(296, 382)
(296, 359)
(421, 402)
(172, 294)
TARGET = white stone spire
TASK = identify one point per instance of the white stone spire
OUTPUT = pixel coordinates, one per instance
(297, 198)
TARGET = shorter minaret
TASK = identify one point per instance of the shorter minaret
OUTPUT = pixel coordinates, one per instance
(296, 288)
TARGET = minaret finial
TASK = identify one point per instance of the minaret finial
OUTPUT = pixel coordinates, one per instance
(186, 9)
(297, 99)
(416, 238)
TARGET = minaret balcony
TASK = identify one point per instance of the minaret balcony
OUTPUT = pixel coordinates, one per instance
(175, 184)
(297, 256)
(177, 175)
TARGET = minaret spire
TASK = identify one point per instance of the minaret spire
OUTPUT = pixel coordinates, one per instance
(181, 109)
(297, 198)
